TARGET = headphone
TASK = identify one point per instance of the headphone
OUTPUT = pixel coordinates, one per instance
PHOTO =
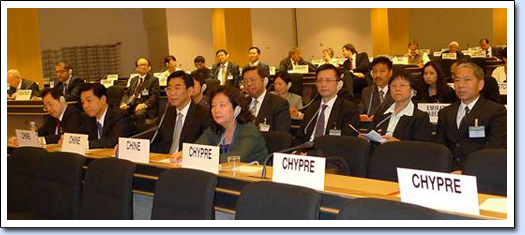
(265, 82)
(289, 85)
(203, 87)
(62, 100)
(236, 112)
(340, 85)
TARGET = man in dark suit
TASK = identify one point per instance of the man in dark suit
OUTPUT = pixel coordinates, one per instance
(331, 114)
(142, 98)
(184, 120)
(377, 95)
(490, 88)
(69, 85)
(294, 58)
(200, 64)
(254, 54)
(225, 71)
(271, 111)
(474, 122)
(358, 65)
(103, 124)
(16, 83)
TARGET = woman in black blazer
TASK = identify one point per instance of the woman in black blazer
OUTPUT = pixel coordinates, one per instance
(402, 120)
(432, 88)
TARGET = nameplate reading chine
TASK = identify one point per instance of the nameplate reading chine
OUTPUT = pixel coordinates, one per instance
(23, 95)
(432, 109)
(107, 82)
(502, 88)
(201, 157)
(27, 138)
(112, 77)
(135, 150)
(442, 191)
(299, 170)
(74, 143)
(449, 56)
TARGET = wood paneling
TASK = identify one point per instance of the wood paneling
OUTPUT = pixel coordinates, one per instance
(499, 17)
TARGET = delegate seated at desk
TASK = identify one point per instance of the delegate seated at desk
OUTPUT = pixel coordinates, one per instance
(282, 84)
(432, 87)
(377, 96)
(294, 58)
(68, 84)
(16, 83)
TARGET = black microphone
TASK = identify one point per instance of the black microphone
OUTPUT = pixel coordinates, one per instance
(305, 145)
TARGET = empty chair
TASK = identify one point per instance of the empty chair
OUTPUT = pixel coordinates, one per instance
(184, 194)
(297, 84)
(354, 150)
(380, 209)
(275, 201)
(490, 168)
(59, 186)
(22, 167)
(277, 141)
(115, 94)
(408, 154)
(107, 190)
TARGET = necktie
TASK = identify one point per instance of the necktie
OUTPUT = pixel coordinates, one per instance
(253, 107)
(464, 118)
(351, 66)
(223, 74)
(319, 126)
(176, 134)
(59, 127)
(139, 86)
(64, 86)
(381, 94)
(99, 129)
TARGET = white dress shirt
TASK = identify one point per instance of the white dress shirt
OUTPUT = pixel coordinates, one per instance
(327, 112)
(461, 110)
(394, 118)
(219, 75)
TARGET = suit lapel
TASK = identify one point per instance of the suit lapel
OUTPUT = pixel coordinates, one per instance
(188, 122)
(263, 110)
(403, 123)
(474, 113)
(108, 122)
(334, 113)
(312, 118)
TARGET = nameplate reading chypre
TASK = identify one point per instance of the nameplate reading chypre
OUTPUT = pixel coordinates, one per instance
(201, 157)
(299, 170)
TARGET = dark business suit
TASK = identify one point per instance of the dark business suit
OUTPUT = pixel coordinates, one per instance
(26, 85)
(117, 123)
(416, 127)
(491, 115)
(449, 95)
(459, 54)
(276, 111)
(362, 63)
(231, 69)
(73, 89)
(370, 100)
(205, 72)
(491, 89)
(286, 64)
(196, 121)
(71, 123)
(264, 67)
(150, 86)
(343, 113)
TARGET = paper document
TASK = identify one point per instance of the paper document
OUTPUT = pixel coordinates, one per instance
(495, 204)
(250, 169)
(165, 160)
(374, 136)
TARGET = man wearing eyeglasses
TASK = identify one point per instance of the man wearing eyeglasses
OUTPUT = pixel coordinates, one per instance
(377, 95)
(331, 114)
(184, 121)
(69, 85)
(142, 97)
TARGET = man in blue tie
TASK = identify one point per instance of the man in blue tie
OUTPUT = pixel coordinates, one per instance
(103, 124)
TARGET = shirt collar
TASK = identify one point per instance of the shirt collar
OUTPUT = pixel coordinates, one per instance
(353, 57)
(470, 106)
(330, 103)
(225, 64)
(261, 97)
(384, 89)
(19, 85)
(184, 110)
(62, 114)
(101, 120)
(254, 63)
(407, 111)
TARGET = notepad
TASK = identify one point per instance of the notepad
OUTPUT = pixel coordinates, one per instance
(165, 160)
(249, 169)
(374, 136)
(495, 204)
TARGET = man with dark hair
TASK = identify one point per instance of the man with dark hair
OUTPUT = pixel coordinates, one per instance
(254, 54)
(331, 114)
(484, 44)
(199, 88)
(200, 65)
(69, 85)
(294, 58)
(103, 124)
(474, 122)
(225, 71)
(490, 88)
(171, 63)
(16, 83)
(184, 121)
(377, 95)
(357, 65)
(142, 97)
(271, 111)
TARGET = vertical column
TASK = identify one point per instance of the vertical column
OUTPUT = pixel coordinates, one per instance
(23, 40)
(155, 24)
(499, 18)
(398, 30)
(380, 35)
(232, 30)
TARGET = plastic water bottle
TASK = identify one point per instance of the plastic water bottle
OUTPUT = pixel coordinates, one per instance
(32, 127)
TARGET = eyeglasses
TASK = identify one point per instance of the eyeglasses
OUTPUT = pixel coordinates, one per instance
(169, 89)
(249, 80)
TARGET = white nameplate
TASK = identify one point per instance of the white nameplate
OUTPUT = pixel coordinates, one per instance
(317, 62)
(132, 76)
(112, 77)
(201, 157)
(437, 53)
(502, 88)
(299, 170)
(74, 143)
(432, 110)
(424, 51)
(23, 95)
(302, 69)
(162, 79)
(135, 150)
(9, 85)
(400, 60)
(51, 84)
(107, 82)
(479, 54)
(449, 56)
(27, 138)
(442, 191)
(272, 70)
(451, 84)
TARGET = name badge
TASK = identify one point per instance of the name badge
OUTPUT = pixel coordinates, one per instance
(299, 170)
(51, 84)
(23, 95)
(112, 77)
(476, 131)
(145, 92)
(201, 157)
(230, 77)
(74, 143)
(27, 138)
(264, 127)
(135, 150)
(107, 82)
(335, 132)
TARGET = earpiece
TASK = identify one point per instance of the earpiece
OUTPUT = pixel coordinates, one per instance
(70, 71)
(340, 84)
(265, 82)
(203, 87)
(62, 99)
(236, 112)
(413, 93)
(289, 85)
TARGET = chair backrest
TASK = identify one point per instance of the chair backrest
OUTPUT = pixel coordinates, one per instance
(297, 84)
(213, 85)
(490, 168)
(22, 167)
(277, 140)
(354, 150)
(184, 194)
(380, 209)
(275, 201)
(115, 94)
(107, 190)
(60, 186)
(408, 154)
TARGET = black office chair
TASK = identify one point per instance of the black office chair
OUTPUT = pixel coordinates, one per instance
(213, 85)
(115, 94)
(22, 169)
(354, 150)
(60, 186)
(380, 209)
(184, 194)
(108, 188)
(275, 201)
(408, 154)
(276, 140)
(297, 84)
(490, 168)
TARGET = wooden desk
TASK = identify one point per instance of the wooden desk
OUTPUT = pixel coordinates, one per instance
(20, 113)
(338, 188)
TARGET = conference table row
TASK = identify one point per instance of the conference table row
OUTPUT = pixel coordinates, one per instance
(338, 188)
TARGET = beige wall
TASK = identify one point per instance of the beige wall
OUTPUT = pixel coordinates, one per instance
(156, 26)
(189, 35)
(82, 27)
(332, 28)
(435, 28)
